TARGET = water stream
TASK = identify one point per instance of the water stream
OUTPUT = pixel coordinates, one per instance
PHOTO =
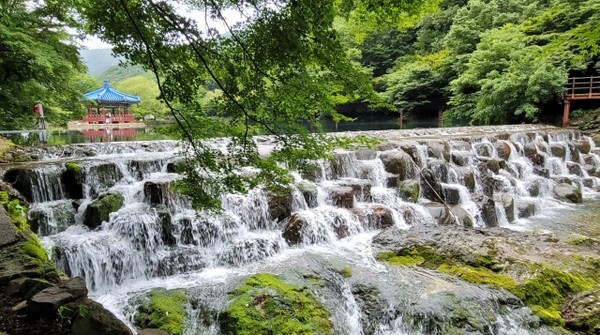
(336, 212)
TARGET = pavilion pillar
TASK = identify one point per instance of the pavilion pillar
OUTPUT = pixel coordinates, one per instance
(566, 111)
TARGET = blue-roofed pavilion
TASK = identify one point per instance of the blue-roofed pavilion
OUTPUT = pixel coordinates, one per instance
(109, 106)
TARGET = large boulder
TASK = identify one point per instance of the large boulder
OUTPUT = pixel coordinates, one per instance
(310, 193)
(266, 304)
(99, 210)
(558, 150)
(361, 188)
(400, 163)
(451, 194)
(103, 176)
(468, 179)
(503, 149)
(292, 232)
(508, 203)
(22, 180)
(280, 205)
(46, 302)
(7, 227)
(462, 158)
(440, 150)
(365, 154)
(462, 216)
(484, 149)
(440, 213)
(157, 193)
(72, 180)
(440, 168)
(583, 146)
(25, 288)
(93, 319)
(531, 152)
(575, 154)
(412, 149)
(52, 218)
(380, 217)
(488, 212)
(430, 186)
(165, 219)
(525, 209)
(409, 190)
(341, 197)
(584, 313)
(567, 192)
(576, 169)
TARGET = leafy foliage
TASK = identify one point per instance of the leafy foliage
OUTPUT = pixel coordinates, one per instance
(38, 63)
(504, 78)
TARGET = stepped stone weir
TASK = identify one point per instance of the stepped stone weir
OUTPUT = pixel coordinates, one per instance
(148, 235)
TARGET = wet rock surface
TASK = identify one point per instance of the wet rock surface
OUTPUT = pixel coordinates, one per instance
(504, 259)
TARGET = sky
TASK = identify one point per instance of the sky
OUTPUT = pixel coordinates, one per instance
(92, 42)
(232, 17)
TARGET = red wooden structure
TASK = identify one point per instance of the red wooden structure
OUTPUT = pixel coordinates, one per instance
(109, 106)
(579, 88)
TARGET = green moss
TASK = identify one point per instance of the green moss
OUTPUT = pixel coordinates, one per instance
(410, 191)
(393, 259)
(550, 286)
(164, 310)
(100, 209)
(264, 304)
(346, 272)
(74, 167)
(548, 317)
(545, 288)
(16, 211)
(415, 256)
(478, 275)
(33, 248)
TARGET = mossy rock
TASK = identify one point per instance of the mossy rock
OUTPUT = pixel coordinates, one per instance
(264, 304)
(100, 209)
(583, 312)
(543, 288)
(25, 256)
(90, 318)
(409, 190)
(72, 179)
(164, 310)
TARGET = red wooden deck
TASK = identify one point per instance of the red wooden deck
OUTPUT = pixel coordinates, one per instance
(579, 88)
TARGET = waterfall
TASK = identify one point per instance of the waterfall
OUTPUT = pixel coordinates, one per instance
(484, 181)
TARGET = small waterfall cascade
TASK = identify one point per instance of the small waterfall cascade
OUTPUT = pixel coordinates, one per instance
(486, 180)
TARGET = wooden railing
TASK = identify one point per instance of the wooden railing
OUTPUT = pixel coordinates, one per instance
(582, 88)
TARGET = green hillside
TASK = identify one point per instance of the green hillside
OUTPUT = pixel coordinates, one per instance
(117, 73)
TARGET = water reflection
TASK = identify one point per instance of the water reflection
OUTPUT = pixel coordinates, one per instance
(107, 135)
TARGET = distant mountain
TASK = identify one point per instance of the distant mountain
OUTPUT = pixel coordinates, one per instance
(98, 60)
(116, 73)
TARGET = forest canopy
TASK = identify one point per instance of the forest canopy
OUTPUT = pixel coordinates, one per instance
(282, 66)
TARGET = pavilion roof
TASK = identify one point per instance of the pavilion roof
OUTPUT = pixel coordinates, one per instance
(107, 94)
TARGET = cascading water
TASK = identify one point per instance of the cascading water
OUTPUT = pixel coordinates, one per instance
(156, 238)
